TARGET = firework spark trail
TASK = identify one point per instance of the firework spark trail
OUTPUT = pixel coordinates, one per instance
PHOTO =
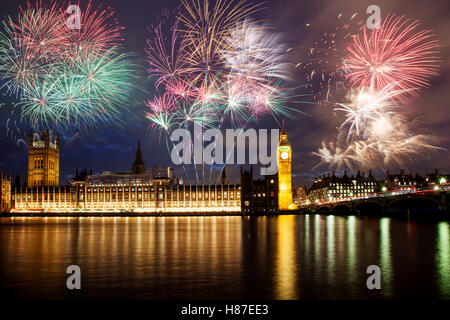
(204, 28)
(384, 67)
(18, 68)
(241, 83)
(219, 66)
(253, 52)
(398, 52)
(367, 106)
(378, 135)
(99, 33)
(322, 65)
(64, 78)
(41, 31)
(167, 65)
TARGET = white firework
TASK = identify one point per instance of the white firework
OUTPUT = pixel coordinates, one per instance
(253, 52)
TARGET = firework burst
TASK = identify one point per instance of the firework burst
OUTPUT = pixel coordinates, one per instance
(216, 67)
(99, 33)
(255, 53)
(219, 63)
(377, 134)
(204, 28)
(40, 31)
(65, 78)
(398, 52)
(382, 68)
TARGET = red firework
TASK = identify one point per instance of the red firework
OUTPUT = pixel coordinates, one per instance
(40, 31)
(99, 30)
(43, 31)
(398, 52)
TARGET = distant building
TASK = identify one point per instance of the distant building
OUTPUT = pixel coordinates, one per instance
(43, 160)
(301, 198)
(329, 188)
(5, 192)
(436, 178)
(162, 172)
(258, 196)
(403, 181)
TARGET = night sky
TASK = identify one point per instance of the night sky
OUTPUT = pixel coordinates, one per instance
(113, 148)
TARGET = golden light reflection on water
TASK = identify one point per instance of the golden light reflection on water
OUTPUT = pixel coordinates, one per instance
(286, 266)
(284, 257)
(110, 250)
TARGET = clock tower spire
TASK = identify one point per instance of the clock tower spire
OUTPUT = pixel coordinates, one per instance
(284, 156)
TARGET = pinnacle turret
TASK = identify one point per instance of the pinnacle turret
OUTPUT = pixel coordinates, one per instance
(138, 165)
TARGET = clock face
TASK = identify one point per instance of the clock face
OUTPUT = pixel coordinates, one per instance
(284, 155)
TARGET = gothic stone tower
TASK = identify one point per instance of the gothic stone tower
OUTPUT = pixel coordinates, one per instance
(43, 160)
(5, 192)
(284, 155)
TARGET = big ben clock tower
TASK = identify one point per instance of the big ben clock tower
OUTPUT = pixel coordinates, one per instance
(284, 154)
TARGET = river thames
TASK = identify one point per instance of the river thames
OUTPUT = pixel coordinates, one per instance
(284, 257)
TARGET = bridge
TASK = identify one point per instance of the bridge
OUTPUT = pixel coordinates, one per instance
(414, 201)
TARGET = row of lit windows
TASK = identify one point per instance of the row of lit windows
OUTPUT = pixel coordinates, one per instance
(351, 191)
(133, 196)
(355, 182)
(199, 192)
(139, 189)
(351, 186)
(145, 196)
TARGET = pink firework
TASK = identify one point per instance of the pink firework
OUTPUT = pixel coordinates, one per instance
(398, 52)
(166, 62)
(99, 31)
(40, 31)
(160, 111)
(181, 89)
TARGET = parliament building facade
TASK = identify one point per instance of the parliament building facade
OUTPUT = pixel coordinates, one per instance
(141, 190)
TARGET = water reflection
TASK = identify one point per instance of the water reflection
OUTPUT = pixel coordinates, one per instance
(351, 249)
(330, 248)
(286, 267)
(285, 257)
(385, 256)
(443, 259)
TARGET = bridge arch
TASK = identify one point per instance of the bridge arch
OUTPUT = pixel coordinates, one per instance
(324, 208)
(342, 207)
(369, 206)
(412, 204)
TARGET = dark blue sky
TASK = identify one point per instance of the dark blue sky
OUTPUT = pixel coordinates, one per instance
(113, 148)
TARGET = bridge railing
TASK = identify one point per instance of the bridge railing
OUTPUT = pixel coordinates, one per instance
(390, 193)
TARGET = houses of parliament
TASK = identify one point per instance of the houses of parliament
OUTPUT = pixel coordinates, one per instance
(140, 191)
